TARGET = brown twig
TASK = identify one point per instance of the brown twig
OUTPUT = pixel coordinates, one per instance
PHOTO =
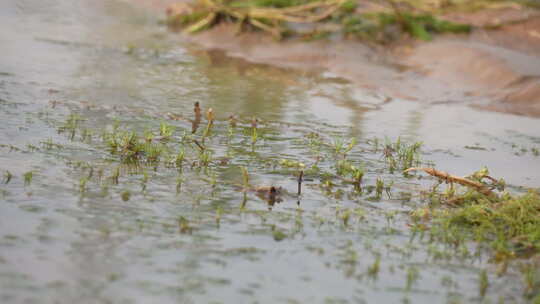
(306, 13)
(300, 179)
(198, 145)
(456, 179)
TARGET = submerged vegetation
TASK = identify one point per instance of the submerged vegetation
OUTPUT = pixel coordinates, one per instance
(231, 155)
(305, 202)
(386, 20)
(471, 209)
(476, 207)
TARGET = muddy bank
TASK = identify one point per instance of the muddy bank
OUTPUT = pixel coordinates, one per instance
(509, 79)
(497, 67)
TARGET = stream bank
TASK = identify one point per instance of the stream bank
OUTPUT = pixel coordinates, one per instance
(496, 67)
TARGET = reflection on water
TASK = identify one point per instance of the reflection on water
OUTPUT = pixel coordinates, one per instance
(112, 65)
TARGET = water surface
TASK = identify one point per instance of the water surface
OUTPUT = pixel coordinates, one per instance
(110, 64)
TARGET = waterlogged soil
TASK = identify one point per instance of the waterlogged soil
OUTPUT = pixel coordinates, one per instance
(495, 68)
(81, 221)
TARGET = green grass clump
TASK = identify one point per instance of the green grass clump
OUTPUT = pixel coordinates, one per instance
(422, 26)
(133, 148)
(7, 177)
(349, 6)
(510, 226)
(28, 178)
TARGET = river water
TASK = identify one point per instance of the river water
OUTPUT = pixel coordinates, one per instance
(159, 234)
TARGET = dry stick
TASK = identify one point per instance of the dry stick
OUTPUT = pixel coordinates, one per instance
(195, 123)
(279, 13)
(202, 23)
(198, 145)
(276, 15)
(300, 14)
(197, 109)
(240, 25)
(300, 182)
(456, 179)
(309, 6)
(272, 30)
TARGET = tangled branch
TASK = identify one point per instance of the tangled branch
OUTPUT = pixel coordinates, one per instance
(268, 19)
(482, 188)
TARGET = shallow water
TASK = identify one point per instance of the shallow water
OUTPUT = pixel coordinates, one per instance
(112, 64)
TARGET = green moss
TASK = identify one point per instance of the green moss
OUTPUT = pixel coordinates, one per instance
(7, 177)
(510, 226)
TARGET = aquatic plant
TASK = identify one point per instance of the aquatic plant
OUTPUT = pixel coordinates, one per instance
(288, 163)
(7, 177)
(508, 224)
(205, 158)
(28, 178)
(531, 280)
(70, 125)
(82, 184)
(254, 135)
(412, 276)
(115, 175)
(179, 159)
(373, 269)
(379, 187)
(277, 234)
(219, 212)
(421, 26)
(166, 130)
(183, 226)
(125, 195)
(483, 283)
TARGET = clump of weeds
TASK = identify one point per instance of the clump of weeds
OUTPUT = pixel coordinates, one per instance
(478, 209)
(7, 177)
(412, 276)
(115, 175)
(165, 130)
(531, 280)
(183, 226)
(278, 234)
(341, 147)
(254, 133)
(28, 176)
(70, 125)
(125, 195)
(373, 269)
(82, 184)
(483, 283)
(401, 155)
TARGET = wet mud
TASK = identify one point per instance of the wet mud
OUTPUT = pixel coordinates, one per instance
(496, 67)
